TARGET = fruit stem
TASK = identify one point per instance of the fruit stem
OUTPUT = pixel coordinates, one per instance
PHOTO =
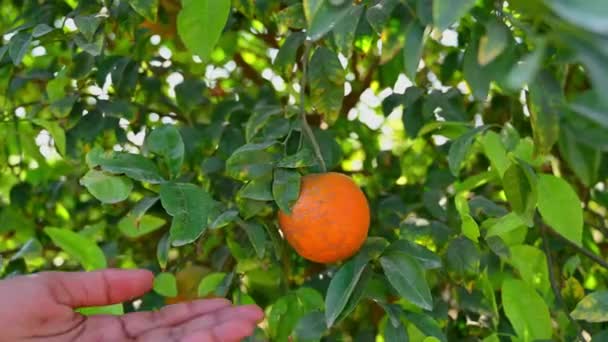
(305, 126)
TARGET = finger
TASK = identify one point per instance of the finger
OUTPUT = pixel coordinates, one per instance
(247, 313)
(231, 331)
(139, 322)
(80, 289)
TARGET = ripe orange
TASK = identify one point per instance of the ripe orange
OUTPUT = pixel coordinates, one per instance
(330, 220)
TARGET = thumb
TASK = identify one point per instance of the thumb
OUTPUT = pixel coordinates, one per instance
(112, 286)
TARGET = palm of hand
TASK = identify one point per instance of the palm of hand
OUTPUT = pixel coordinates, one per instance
(41, 308)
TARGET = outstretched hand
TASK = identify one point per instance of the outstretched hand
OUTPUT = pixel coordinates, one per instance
(40, 307)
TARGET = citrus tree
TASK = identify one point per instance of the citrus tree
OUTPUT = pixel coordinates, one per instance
(169, 134)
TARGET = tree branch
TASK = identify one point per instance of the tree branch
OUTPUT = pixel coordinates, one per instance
(598, 259)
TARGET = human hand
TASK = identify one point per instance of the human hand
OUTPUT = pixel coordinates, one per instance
(40, 307)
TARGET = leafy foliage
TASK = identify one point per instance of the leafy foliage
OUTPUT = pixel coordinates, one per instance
(167, 134)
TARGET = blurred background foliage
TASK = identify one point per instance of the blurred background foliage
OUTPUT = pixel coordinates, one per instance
(165, 134)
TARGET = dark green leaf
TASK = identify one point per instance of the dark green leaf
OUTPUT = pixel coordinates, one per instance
(446, 12)
(378, 14)
(412, 51)
(209, 284)
(257, 236)
(89, 255)
(311, 327)
(146, 8)
(167, 142)
(87, 25)
(134, 166)
(322, 16)
(590, 15)
(460, 147)
(463, 257)
(19, 46)
(593, 308)
(259, 189)
(526, 310)
(407, 277)
(39, 31)
(142, 207)
(526, 70)
(287, 53)
(425, 257)
(93, 47)
(252, 161)
(189, 205)
(200, 24)
(286, 188)
(326, 78)
(341, 288)
(303, 158)
(493, 43)
(582, 159)
(107, 188)
(162, 251)
(519, 183)
(544, 97)
(560, 207)
(224, 219)
(426, 324)
(395, 333)
(345, 30)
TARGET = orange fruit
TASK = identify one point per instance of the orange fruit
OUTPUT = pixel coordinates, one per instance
(329, 221)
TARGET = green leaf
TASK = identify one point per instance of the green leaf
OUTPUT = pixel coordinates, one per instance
(200, 24)
(107, 188)
(19, 46)
(259, 189)
(303, 158)
(286, 188)
(189, 205)
(531, 263)
(590, 15)
(287, 53)
(341, 288)
(166, 141)
(132, 227)
(162, 251)
(560, 207)
(115, 310)
(463, 257)
(544, 97)
(40, 30)
(519, 184)
(322, 16)
(584, 160)
(326, 78)
(252, 161)
(427, 325)
(460, 147)
(505, 224)
(379, 14)
(62, 107)
(526, 70)
(165, 284)
(493, 43)
(395, 333)
(257, 236)
(469, 228)
(447, 12)
(93, 47)
(142, 207)
(210, 283)
(425, 257)
(407, 277)
(412, 51)
(496, 152)
(87, 25)
(224, 219)
(311, 326)
(526, 311)
(345, 30)
(593, 308)
(589, 104)
(89, 255)
(135, 166)
(146, 8)
(56, 131)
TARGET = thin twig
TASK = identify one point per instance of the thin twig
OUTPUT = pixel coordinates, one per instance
(554, 282)
(305, 127)
(580, 249)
